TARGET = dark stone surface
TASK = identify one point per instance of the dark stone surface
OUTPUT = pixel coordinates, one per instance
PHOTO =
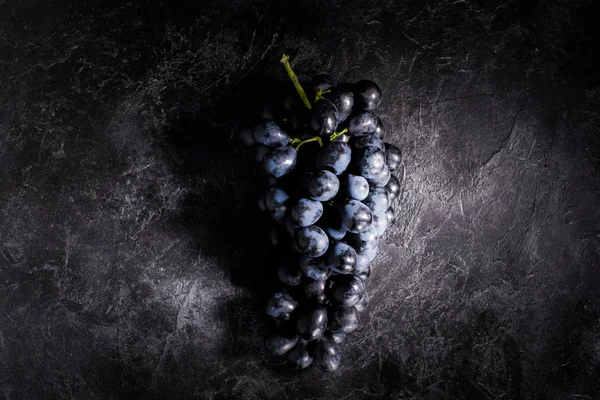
(131, 264)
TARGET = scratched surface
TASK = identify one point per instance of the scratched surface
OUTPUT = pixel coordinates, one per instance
(131, 256)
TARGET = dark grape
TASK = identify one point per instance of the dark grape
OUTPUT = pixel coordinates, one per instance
(290, 226)
(270, 134)
(327, 354)
(369, 161)
(343, 100)
(354, 186)
(314, 290)
(368, 141)
(306, 212)
(311, 325)
(393, 156)
(391, 216)
(393, 187)
(336, 233)
(341, 258)
(334, 157)
(311, 241)
(346, 290)
(280, 161)
(379, 131)
(261, 151)
(313, 268)
(337, 337)
(289, 274)
(378, 200)
(343, 320)
(246, 137)
(324, 117)
(372, 253)
(323, 186)
(300, 356)
(279, 344)
(382, 178)
(356, 217)
(363, 303)
(380, 223)
(362, 124)
(364, 240)
(281, 305)
(367, 95)
(363, 267)
(322, 82)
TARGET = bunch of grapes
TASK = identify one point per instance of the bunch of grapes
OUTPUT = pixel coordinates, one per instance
(330, 194)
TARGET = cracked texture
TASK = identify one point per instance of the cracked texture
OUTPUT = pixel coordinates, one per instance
(129, 259)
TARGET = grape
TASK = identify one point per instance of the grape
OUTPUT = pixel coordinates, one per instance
(279, 344)
(289, 274)
(382, 178)
(362, 124)
(281, 306)
(378, 200)
(261, 203)
(363, 267)
(343, 320)
(343, 100)
(270, 134)
(311, 325)
(379, 131)
(246, 137)
(368, 141)
(356, 217)
(280, 161)
(313, 268)
(311, 241)
(315, 290)
(336, 233)
(342, 258)
(393, 156)
(324, 117)
(322, 82)
(367, 95)
(371, 254)
(354, 186)
(306, 212)
(363, 241)
(300, 356)
(391, 216)
(290, 226)
(261, 151)
(363, 303)
(335, 157)
(368, 161)
(393, 188)
(337, 337)
(270, 112)
(327, 354)
(346, 290)
(323, 186)
(379, 223)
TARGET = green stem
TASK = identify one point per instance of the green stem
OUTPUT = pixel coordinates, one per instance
(285, 60)
(297, 142)
(337, 135)
(320, 94)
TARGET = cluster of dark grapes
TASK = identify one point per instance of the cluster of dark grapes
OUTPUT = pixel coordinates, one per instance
(330, 194)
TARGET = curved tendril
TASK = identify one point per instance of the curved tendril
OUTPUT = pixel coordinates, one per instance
(320, 94)
(296, 143)
(285, 60)
(337, 134)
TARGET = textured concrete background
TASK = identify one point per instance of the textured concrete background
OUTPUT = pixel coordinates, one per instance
(132, 262)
